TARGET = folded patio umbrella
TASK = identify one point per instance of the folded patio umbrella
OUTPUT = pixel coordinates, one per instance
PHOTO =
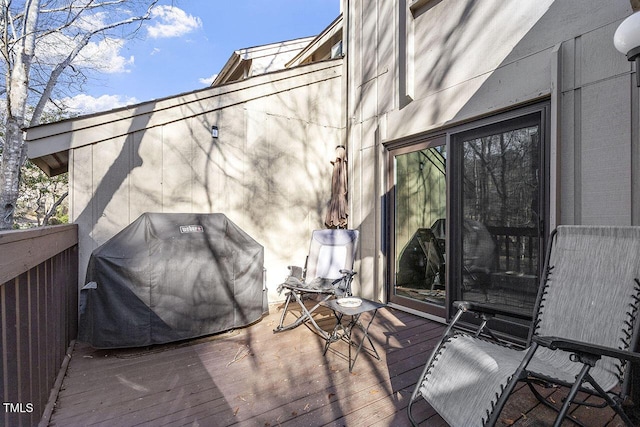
(337, 212)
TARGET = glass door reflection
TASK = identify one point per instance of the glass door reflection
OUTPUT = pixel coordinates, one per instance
(500, 226)
(419, 241)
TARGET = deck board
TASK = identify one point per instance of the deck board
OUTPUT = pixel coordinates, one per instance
(254, 377)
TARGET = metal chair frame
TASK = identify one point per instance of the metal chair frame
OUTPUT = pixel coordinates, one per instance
(583, 353)
(300, 283)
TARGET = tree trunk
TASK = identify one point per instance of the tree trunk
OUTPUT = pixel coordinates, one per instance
(13, 157)
(15, 152)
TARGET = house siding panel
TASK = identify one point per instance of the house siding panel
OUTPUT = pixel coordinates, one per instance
(146, 175)
(606, 153)
(112, 161)
(386, 51)
(569, 190)
(177, 167)
(368, 208)
(598, 60)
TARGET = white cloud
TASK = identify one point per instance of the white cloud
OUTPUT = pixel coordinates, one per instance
(86, 104)
(207, 80)
(103, 56)
(170, 21)
(92, 22)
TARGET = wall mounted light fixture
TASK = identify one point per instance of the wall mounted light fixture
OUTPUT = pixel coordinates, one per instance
(214, 131)
(627, 40)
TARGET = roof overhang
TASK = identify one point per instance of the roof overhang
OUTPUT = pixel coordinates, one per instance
(328, 36)
(53, 164)
(242, 58)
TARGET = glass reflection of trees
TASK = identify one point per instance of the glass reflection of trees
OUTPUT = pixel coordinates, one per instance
(500, 195)
(500, 178)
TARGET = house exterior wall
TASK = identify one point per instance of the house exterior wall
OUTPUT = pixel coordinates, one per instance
(269, 171)
(417, 68)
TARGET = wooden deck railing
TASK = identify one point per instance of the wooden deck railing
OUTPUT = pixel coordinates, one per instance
(38, 316)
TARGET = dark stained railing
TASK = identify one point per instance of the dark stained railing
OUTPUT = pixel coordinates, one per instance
(38, 317)
(516, 248)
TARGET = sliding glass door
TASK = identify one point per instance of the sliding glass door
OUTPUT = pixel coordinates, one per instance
(499, 213)
(467, 214)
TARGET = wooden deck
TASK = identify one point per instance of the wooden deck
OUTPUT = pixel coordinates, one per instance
(253, 377)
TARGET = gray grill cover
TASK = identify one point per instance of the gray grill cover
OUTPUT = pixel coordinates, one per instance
(169, 277)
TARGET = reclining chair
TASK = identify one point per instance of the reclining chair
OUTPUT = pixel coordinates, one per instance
(583, 334)
(328, 272)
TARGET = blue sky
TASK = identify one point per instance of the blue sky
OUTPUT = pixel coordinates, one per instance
(183, 46)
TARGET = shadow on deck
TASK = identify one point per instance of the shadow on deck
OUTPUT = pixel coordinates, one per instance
(254, 377)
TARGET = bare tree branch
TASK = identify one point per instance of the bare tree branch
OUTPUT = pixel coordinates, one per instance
(59, 69)
(54, 208)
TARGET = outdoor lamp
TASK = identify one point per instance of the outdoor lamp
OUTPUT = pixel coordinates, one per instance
(214, 131)
(627, 41)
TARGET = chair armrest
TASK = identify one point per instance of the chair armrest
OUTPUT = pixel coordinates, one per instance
(556, 343)
(476, 307)
(347, 277)
(346, 272)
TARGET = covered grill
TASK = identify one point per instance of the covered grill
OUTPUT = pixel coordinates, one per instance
(169, 277)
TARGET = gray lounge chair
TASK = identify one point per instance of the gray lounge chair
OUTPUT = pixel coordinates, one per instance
(584, 330)
(328, 272)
